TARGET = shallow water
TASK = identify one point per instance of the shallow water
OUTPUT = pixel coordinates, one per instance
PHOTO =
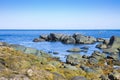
(25, 37)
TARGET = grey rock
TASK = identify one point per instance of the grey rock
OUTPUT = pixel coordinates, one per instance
(18, 47)
(29, 50)
(87, 69)
(81, 39)
(55, 36)
(69, 40)
(100, 40)
(114, 76)
(93, 61)
(74, 58)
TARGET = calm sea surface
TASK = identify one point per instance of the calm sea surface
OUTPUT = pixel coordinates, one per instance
(25, 37)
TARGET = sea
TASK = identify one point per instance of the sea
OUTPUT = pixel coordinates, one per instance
(25, 37)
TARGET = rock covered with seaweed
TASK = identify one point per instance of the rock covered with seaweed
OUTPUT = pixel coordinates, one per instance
(21, 63)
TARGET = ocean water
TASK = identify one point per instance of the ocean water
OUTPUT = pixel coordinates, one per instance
(25, 37)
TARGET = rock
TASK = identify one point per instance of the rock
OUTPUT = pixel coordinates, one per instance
(55, 53)
(87, 69)
(29, 50)
(42, 54)
(19, 77)
(55, 36)
(55, 63)
(106, 42)
(103, 77)
(44, 36)
(70, 67)
(18, 47)
(38, 40)
(80, 39)
(116, 62)
(74, 59)
(74, 50)
(78, 78)
(30, 72)
(100, 40)
(58, 76)
(68, 40)
(97, 55)
(114, 56)
(93, 61)
(101, 46)
(4, 44)
(114, 42)
(114, 76)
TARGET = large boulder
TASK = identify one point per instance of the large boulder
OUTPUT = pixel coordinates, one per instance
(68, 40)
(81, 39)
(114, 42)
(54, 36)
(74, 58)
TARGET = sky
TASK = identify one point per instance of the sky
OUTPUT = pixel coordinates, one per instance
(59, 14)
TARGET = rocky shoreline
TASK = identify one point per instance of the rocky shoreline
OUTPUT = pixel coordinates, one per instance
(18, 62)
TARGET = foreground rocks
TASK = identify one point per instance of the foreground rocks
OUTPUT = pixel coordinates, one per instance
(23, 63)
(67, 39)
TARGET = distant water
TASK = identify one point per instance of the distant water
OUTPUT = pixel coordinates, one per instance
(25, 37)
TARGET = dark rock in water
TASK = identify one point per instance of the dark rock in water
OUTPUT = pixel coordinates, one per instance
(38, 40)
(78, 78)
(80, 39)
(44, 36)
(55, 36)
(74, 58)
(74, 50)
(68, 40)
(55, 53)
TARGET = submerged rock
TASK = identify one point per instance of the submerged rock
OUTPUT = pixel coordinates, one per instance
(74, 50)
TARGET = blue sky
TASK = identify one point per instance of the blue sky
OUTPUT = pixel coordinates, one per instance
(60, 14)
